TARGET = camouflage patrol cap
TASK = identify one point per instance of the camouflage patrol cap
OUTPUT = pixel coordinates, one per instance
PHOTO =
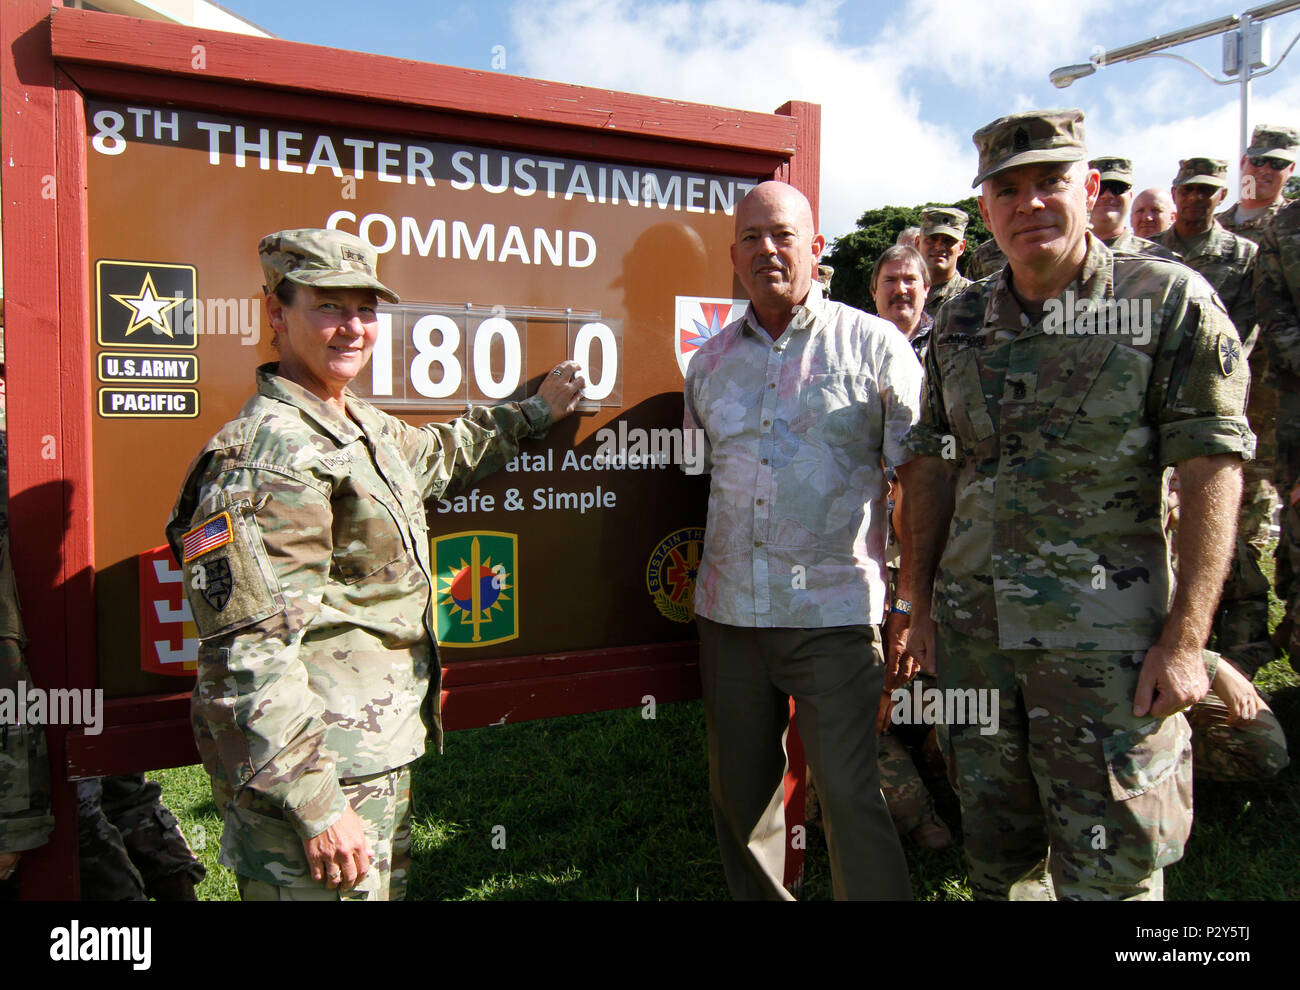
(1273, 141)
(1113, 169)
(323, 259)
(824, 275)
(1202, 171)
(1029, 139)
(944, 220)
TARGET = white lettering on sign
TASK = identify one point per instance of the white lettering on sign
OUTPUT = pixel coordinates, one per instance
(495, 171)
(413, 236)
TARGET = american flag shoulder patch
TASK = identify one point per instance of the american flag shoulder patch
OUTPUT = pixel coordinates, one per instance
(216, 532)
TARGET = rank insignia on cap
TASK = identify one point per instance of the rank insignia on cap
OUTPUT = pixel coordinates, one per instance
(207, 536)
(1021, 140)
(217, 582)
(1229, 354)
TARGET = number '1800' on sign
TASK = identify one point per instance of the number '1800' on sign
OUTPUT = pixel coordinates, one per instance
(439, 356)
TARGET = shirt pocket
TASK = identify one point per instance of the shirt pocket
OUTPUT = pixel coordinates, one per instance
(964, 402)
(833, 409)
(1102, 398)
(367, 536)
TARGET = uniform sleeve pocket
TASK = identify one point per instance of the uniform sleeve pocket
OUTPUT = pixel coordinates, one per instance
(228, 578)
(1146, 757)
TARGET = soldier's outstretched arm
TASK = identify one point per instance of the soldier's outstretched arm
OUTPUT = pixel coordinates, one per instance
(447, 455)
(929, 484)
(1173, 673)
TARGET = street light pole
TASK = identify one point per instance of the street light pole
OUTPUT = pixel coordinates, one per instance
(1245, 52)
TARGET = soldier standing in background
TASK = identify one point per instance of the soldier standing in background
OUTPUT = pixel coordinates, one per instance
(1113, 207)
(1277, 293)
(131, 846)
(1268, 162)
(1153, 213)
(25, 818)
(1053, 593)
(1228, 263)
(985, 260)
(943, 239)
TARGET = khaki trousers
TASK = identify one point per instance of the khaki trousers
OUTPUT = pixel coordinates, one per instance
(835, 676)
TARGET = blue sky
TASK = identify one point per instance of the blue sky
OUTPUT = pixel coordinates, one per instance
(902, 85)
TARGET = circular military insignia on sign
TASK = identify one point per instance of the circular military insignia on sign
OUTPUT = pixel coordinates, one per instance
(1229, 354)
(670, 574)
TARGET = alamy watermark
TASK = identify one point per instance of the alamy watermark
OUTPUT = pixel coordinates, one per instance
(634, 446)
(25, 705)
(1077, 317)
(917, 705)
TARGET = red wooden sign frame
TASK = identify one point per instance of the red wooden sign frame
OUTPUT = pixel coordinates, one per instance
(53, 60)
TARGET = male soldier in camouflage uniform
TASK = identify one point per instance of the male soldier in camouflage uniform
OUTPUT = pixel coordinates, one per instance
(1268, 162)
(302, 535)
(985, 260)
(1153, 213)
(943, 239)
(131, 846)
(1055, 395)
(25, 818)
(1227, 261)
(1113, 206)
(1277, 292)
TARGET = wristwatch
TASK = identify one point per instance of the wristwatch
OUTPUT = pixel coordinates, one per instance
(901, 606)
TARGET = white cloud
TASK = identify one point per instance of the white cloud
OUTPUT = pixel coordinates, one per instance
(756, 55)
(984, 44)
(898, 109)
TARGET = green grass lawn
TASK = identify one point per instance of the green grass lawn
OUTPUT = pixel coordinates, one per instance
(611, 806)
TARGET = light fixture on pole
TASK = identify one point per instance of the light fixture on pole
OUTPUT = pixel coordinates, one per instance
(1245, 52)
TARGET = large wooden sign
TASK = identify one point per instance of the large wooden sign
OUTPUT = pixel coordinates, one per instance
(521, 222)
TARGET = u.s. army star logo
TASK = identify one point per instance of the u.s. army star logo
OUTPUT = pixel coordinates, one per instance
(217, 582)
(1229, 354)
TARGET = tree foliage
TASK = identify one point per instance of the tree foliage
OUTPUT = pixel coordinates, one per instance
(853, 254)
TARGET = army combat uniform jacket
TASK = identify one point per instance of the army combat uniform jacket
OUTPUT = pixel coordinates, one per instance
(305, 551)
(1228, 263)
(1253, 228)
(1277, 292)
(1129, 243)
(940, 294)
(1061, 428)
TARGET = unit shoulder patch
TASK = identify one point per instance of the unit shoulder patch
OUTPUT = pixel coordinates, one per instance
(228, 578)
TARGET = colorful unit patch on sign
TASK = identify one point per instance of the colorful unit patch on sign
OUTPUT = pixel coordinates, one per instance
(477, 591)
(670, 574)
(698, 319)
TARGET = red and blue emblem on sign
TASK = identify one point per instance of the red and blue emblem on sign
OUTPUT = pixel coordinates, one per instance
(671, 571)
(698, 319)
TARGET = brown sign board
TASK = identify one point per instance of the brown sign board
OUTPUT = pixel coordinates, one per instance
(522, 223)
